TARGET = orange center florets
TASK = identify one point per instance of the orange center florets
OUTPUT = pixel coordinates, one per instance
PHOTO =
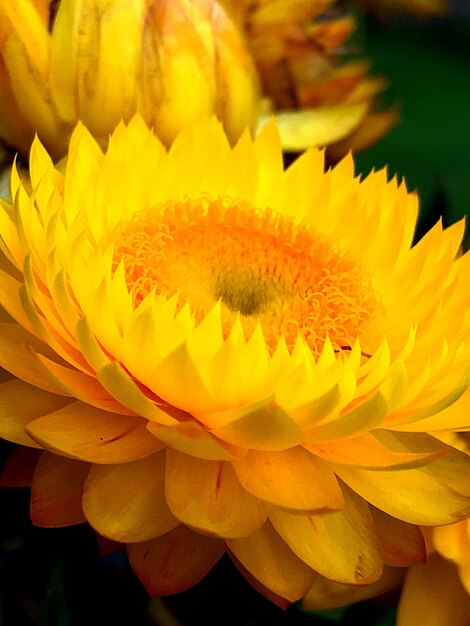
(261, 266)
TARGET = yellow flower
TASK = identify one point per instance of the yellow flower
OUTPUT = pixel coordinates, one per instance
(101, 61)
(172, 61)
(219, 355)
(440, 590)
(317, 93)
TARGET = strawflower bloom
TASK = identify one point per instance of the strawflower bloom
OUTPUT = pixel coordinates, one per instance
(101, 61)
(320, 93)
(216, 354)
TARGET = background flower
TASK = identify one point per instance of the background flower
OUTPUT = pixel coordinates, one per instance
(319, 91)
(100, 61)
(213, 359)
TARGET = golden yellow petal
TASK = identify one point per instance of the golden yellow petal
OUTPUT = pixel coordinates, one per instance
(265, 555)
(401, 544)
(342, 545)
(327, 594)
(291, 478)
(318, 127)
(175, 561)
(86, 433)
(435, 593)
(192, 438)
(20, 404)
(206, 496)
(126, 502)
(56, 491)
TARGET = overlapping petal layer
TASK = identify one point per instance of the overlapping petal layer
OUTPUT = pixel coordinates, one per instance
(221, 354)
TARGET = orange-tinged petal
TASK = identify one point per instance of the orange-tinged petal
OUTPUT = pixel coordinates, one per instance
(175, 561)
(83, 432)
(126, 502)
(291, 478)
(367, 451)
(19, 468)
(327, 594)
(452, 541)
(435, 594)
(416, 496)
(56, 491)
(341, 545)
(192, 438)
(79, 385)
(20, 404)
(268, 558)
(17, 350)
(401, 544)
(206, 495)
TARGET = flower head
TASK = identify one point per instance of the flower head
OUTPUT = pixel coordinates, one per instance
(101, 61)
(217, 354)
(320, 94)
(173, 61)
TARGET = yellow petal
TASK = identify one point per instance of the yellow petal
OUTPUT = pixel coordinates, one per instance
(264, 426)
(175, 561)
(265, 555)
(317, 127)
(416, 496)
(121, 386)
(435, 593)
(327, 594)
(207, 496)
(401, 544)
(83, 432)
(20, 404)
(341, 546)
(292, 478)
(56, 491)
(191, 438)
(367, 451)
(126, 502)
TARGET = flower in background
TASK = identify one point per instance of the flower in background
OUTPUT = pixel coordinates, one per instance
(101, 61)
(319, 94)
(174, 61)
(439, 592)
(215, 354)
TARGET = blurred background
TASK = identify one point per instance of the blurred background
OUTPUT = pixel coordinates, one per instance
(57, 577)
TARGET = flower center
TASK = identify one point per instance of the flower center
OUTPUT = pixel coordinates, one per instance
(261, 266)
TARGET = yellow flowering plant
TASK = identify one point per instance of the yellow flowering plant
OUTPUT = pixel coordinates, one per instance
(213, 354)
(102, 61)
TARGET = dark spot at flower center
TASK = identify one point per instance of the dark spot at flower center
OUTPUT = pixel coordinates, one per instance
(246, 294)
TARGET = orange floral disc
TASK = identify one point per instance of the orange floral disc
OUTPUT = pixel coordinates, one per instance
(261, 266)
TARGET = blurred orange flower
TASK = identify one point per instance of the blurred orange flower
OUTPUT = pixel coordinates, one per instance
(319, 95)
